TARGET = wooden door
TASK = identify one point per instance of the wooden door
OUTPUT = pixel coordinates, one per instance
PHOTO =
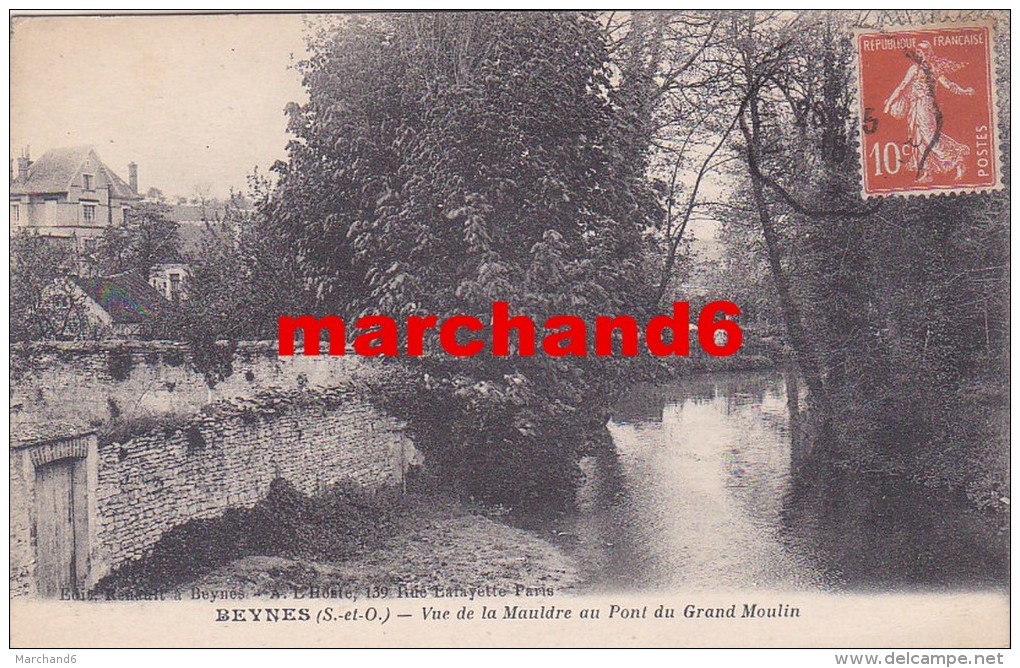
(61, 515)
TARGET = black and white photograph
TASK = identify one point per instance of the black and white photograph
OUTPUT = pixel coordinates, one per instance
(436, 329)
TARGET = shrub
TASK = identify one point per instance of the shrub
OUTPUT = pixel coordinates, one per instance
(119, 363)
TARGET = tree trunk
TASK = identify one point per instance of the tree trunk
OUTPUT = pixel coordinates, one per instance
(799, 341)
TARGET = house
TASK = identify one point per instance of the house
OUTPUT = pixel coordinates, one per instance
(70, 196)
(212, 211)
(213, 220)
(70, 193)
(170, 275)
(170, 279)
(200, 226)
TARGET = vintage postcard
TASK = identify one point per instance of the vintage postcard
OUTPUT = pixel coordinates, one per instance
(511, 329)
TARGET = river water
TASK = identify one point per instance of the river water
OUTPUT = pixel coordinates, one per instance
(700, 493)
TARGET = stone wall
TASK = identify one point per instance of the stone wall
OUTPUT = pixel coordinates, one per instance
(87, 384)
(22, 549)
(154, 469)
(228, 458)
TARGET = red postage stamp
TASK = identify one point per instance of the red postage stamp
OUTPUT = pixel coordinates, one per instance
(927, 110)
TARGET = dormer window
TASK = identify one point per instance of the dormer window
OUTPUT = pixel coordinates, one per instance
(89, 185)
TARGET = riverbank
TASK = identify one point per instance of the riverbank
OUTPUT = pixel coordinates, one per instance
(414, 542)
(966, 452)
(435, 544)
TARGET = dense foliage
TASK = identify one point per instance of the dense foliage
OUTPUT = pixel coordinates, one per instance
(239, 281)
(146, 238)
(44, 303)
(896, 312)
(446, 161)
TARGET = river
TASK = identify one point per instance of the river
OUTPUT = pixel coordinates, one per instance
(700, 493)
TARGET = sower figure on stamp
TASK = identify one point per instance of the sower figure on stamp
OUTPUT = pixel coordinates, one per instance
(931, 150)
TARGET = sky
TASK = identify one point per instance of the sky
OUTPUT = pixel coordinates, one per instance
(196, 101)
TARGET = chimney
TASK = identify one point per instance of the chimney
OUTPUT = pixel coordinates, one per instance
(133, 177)
(24, 162)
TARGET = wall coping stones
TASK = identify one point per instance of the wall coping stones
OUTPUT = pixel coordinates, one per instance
(30, 436)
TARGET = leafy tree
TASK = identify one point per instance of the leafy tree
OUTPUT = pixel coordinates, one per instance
(155, 194)
(445, 161)
(45, 304)
(238, 283)
(146, 238)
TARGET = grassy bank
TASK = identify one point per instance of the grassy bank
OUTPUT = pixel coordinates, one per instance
(954, 440)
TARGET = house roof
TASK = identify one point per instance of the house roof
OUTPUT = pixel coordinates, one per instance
(127, 297)
(196, 238)
(57, 168)
(192, 213)
(117, 185)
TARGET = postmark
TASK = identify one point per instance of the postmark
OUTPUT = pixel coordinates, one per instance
(927, 109)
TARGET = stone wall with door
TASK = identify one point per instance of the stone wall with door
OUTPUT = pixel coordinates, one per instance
(81, 507)
(114, 444)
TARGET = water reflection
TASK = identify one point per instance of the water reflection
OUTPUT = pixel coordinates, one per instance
(701, 491)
